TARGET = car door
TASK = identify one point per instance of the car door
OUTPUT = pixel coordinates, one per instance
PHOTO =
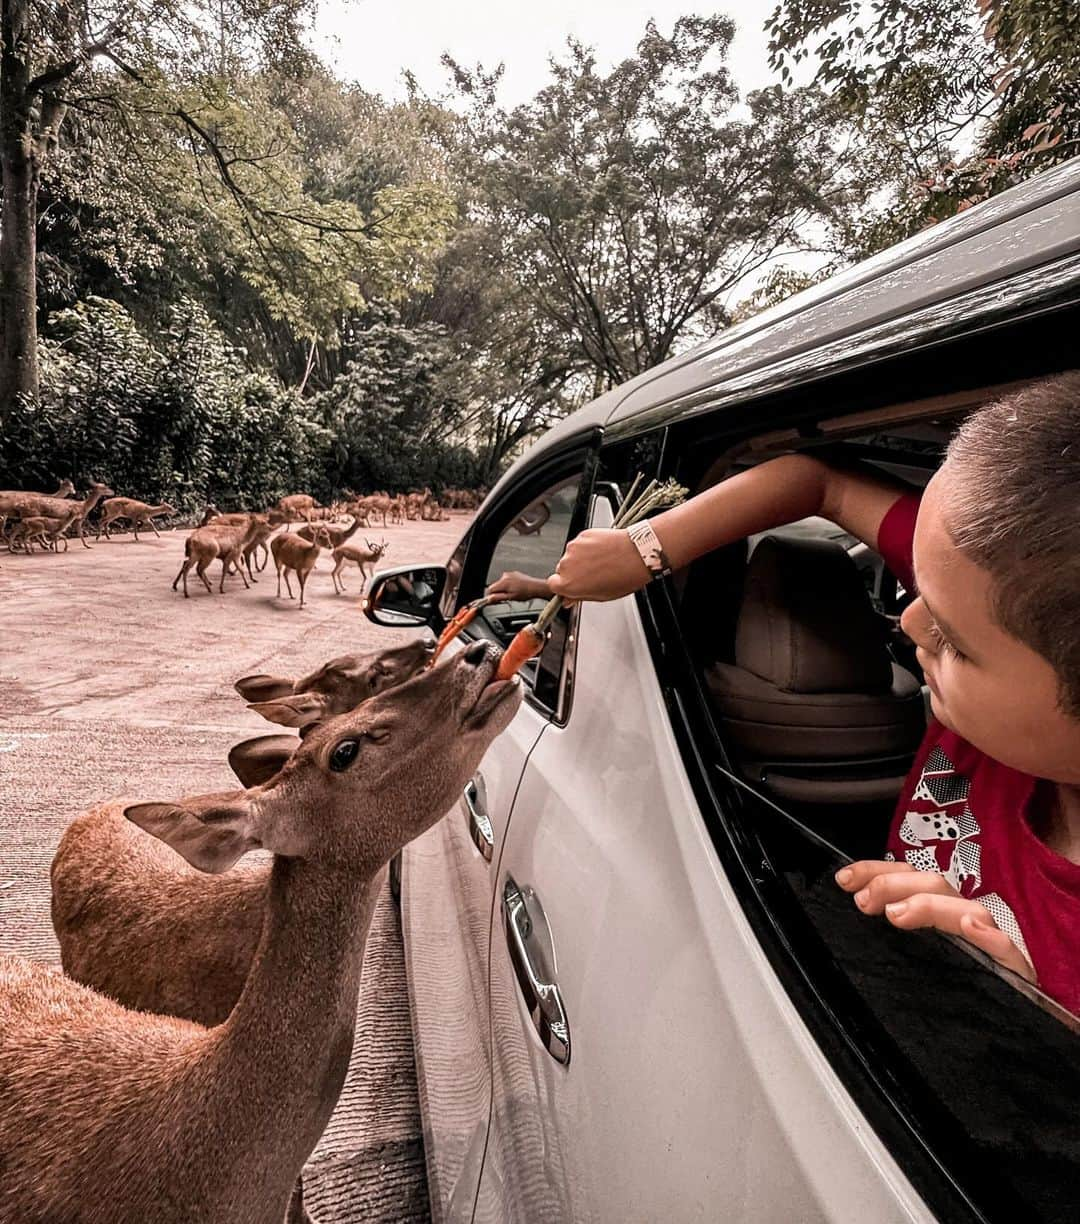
(448, 874)
(647, 1064)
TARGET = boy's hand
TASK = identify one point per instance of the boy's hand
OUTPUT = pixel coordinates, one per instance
(912, 899)
(599, 564)
(515, 585)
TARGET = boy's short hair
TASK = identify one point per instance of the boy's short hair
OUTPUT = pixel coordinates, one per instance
(1013, 507)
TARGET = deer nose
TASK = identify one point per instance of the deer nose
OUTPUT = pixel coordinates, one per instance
(476, 653)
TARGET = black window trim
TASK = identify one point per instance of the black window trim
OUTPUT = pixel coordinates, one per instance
(578, 458)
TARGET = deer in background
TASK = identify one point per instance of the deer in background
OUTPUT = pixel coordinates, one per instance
(43, 529)
(11, 499)
(346, 554)
(32, 504)
(336, 535)
(293, 552)
(141, 514)
(293, 507)
(131, 1116)
(217, 541)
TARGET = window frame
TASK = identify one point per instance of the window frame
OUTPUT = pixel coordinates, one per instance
(550, 689)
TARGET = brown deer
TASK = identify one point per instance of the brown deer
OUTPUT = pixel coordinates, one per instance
(224, 542)
(43, 529)
(336, 535)
(106, 1112)
(294, 507)
(31, 504)
(141, 514)
(12, 499)
(346, 554)
(293, 552)
(117, 931)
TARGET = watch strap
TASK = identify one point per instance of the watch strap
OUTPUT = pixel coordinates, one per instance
(650, 548)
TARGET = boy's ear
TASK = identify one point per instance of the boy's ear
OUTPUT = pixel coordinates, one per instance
(210, 831)
(296, 710)
(263, 688)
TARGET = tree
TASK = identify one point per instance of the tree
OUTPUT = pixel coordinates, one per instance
(627, 208)
(194, 110)
(953, 102)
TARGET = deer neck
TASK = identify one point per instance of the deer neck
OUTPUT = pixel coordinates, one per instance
(91, 501)
(284, 1050)
(353, 527)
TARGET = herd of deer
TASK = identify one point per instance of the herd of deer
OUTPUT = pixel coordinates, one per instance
(184, 1065)
(235, 539)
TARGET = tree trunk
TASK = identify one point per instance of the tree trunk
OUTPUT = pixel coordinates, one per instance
(18, 237)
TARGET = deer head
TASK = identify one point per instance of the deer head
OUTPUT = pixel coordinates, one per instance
(339, 685)
(362, 784)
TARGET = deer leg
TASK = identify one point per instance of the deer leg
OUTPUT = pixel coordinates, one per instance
(154, 529)
(200, 572)
(302, 577)
(288, 585)
(279, 582)
(240, 570)
(265, 557)
(82, 532)
(135, 529)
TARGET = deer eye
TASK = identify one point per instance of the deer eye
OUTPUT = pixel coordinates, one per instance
(344, 755)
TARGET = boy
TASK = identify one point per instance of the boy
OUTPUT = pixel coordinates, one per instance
(985, 842)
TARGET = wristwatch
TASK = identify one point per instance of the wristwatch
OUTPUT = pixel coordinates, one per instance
(650, 548)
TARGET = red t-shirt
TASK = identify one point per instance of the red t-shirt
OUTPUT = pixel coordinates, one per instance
(967, 816)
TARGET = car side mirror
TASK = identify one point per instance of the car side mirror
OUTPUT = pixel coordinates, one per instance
(406, 597)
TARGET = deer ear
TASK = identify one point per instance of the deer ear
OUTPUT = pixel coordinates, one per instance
(210, 831)
(296, 710)
(255, 761)
(263, 688)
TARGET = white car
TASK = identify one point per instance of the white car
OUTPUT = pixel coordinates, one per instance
(637, 993)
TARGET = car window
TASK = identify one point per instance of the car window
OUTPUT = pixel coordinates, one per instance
(530, 538)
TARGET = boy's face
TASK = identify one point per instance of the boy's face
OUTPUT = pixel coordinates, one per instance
(985, 685)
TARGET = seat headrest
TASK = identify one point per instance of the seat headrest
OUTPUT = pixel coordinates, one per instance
(807, 624)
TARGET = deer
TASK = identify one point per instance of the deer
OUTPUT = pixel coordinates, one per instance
(110, 1112)
(11, 499)
(140, 513)
(33, 504)
(345, 554)
(262, 532)
(224, 541)
(336, 535)
(295, 506)
(118, 932)
(43, 529)
(293, 552)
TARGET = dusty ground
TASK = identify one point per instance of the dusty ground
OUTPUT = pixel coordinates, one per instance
(112, 684)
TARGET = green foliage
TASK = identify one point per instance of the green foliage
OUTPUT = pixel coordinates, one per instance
(391, 411)
(180, 419)
(951, 103)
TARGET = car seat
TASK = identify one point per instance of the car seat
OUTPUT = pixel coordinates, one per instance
(813, 705)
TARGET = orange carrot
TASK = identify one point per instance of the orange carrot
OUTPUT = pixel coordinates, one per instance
(527, 643)
(464, 616)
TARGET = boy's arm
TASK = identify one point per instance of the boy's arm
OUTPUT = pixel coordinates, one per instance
(605, 564)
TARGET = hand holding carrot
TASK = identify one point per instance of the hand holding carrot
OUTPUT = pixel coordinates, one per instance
(599, 564)
(515, 586)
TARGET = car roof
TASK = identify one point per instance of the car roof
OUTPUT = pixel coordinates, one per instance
(1023, 243)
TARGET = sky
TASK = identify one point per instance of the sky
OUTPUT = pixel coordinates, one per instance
(372, 41)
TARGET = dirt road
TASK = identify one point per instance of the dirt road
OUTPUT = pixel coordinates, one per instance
(112, 684)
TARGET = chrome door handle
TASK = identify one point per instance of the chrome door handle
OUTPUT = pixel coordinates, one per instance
(542, 998)
(476, 817)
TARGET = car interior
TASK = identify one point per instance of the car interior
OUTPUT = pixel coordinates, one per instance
(795, 633)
